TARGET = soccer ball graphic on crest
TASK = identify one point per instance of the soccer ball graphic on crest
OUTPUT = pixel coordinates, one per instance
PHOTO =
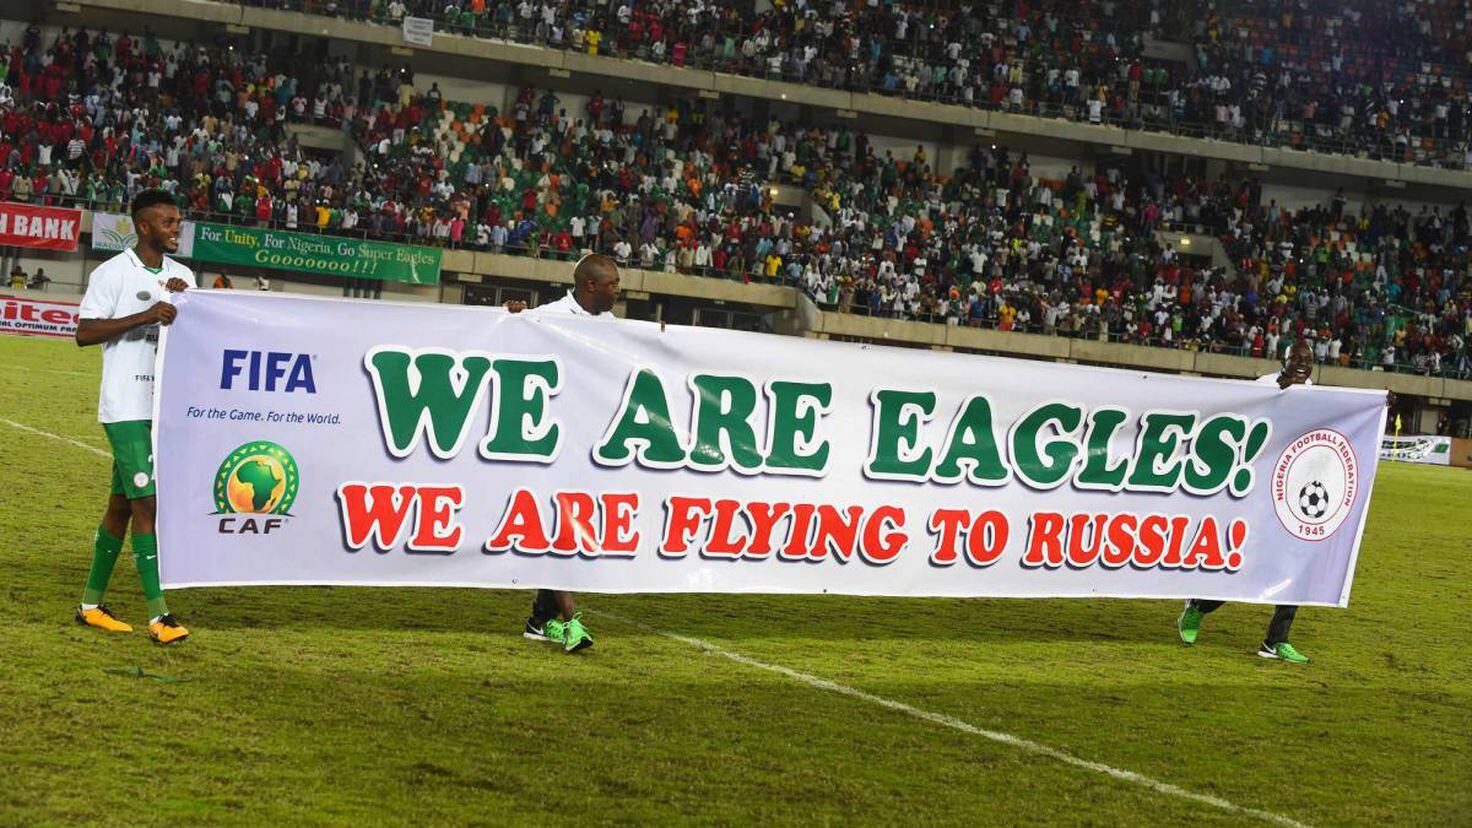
(1313, 500)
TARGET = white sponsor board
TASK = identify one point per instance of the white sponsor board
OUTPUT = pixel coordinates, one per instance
(115, 232)
(37, 317)
(1430, 449)
(310, 441)
(419, 31)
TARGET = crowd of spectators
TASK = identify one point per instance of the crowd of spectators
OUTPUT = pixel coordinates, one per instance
(686, 189)
(1385, 80)
(90, 119)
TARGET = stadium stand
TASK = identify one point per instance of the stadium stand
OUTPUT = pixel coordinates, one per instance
(987, 244)
(1386, 82)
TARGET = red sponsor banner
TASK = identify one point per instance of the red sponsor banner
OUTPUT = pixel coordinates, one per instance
(47, 228)
(37, 317)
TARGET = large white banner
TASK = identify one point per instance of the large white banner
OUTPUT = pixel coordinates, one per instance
(314, 441)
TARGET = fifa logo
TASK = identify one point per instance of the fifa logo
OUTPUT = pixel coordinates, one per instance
(267, 371)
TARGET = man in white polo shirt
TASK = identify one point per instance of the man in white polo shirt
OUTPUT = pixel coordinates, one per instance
(594, 291)
(1296, 370)
(122, 311)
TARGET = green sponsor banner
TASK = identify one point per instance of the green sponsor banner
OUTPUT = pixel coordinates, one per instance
(310, 253)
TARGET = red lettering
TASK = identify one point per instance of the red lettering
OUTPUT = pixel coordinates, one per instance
(721, 544)
(987, 538)
(1152, 540)
(1044, 544)
(802, 522)
(835, 533)
(618, 519)
(946, 523)
(682, 519)
(1178, 527)
(878, 545)
(763, 518)
(1079, 555)
(523, 522)
(576, 512)
(1206, 549)
(435, 529)
(379, 510)
(54, 316)
(1121, 541)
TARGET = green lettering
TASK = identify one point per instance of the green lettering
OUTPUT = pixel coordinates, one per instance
(724, 406)
(1097, 472)
(1045, 466)
(972, 445)
(1160, 437)
(1214, 451)
(788, 426)
(447, 393)
(896, 431)
(644, 420)
(521, 405)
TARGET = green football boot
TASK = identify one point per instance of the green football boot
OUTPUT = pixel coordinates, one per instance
(577, 636)
(1189, 624)
(1283, 651)
(551, 630)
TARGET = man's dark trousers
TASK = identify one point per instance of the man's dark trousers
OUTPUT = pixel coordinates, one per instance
(544, 607)
(1277, 628)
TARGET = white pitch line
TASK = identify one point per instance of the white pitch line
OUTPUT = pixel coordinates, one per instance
(1026, 745)
(23, 427)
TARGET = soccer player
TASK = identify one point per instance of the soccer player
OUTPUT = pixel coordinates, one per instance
(122, 311)
(595, 290)
(1296, 370)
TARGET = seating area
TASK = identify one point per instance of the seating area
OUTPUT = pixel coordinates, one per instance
(1386, 82)
(688, 190)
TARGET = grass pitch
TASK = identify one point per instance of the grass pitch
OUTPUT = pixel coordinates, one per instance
(317, 705)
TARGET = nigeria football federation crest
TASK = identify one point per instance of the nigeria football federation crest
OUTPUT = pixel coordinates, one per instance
(1315, 481)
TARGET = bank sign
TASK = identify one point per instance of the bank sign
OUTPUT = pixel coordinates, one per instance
(318, 441)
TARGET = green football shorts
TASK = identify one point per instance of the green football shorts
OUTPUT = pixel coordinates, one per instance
(132, 457)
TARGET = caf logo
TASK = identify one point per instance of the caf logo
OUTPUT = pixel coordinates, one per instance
(1314, 484)
(258, 478)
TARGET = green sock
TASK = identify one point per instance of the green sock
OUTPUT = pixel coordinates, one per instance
(105, 549)
(145, 556)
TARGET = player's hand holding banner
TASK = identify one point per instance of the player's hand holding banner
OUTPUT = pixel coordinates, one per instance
(306, 441)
